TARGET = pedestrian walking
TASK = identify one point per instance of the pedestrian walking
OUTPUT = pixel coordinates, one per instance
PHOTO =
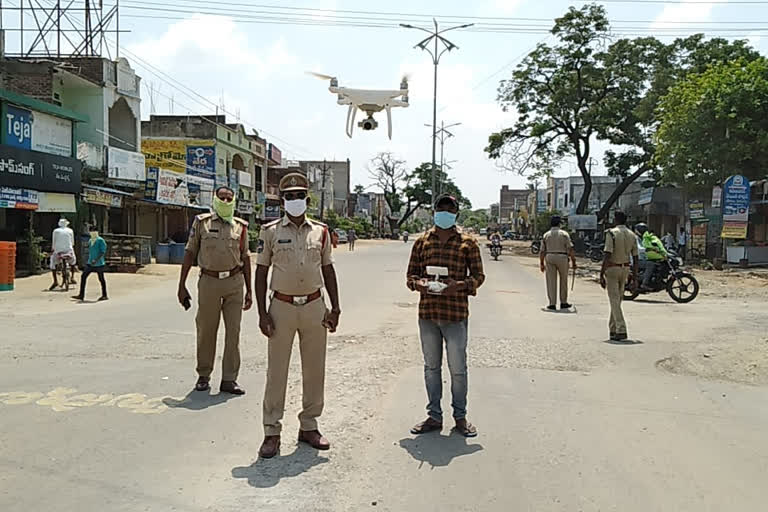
(351, 237)
(334, 239)
(218, 242)
(620, 252)
(299, 251)
(682, 242)
(443, 315)
(97, 252)
(556, 248)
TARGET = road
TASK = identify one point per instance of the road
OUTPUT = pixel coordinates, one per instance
(96, 410)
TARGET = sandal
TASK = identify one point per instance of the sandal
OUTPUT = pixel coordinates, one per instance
(428, 425)
(203, 384)
(465, 428)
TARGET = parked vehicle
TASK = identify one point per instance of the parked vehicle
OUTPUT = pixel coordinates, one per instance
(509, 235)
(681, 286)
(483, 231)
(536, 246)
(343, 239)
(594, 251)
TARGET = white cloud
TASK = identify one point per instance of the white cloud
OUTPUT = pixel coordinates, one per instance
(685, 11)
(508, 6)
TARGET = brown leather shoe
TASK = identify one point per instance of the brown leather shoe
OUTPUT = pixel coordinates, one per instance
(314, 439)
(230, 386)
(270, 447)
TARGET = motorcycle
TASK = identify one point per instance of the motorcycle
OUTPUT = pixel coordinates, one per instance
(495, 249)
(536, 247)
(594, 252)
(405, 237)
(681, 286)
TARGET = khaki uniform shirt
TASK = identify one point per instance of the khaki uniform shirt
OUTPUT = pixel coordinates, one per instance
(557, 241)
(218, 245)
(296, 254)
(621, 242)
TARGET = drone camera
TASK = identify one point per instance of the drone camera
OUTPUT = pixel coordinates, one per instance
(368, 124)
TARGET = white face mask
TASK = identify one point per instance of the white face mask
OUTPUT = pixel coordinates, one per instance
(296, 207)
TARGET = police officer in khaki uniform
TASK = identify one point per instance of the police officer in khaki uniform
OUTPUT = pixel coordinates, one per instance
(556, 248)
(299, 251)
(218, 242)
(620, 254)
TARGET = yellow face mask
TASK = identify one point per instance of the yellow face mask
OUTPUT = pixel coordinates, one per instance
(225, 210)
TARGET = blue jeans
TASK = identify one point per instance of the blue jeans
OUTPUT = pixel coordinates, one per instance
(455, 336)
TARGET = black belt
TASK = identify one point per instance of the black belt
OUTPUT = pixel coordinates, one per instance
(548, 253)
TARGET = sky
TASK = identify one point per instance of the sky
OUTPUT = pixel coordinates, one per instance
(256, 71)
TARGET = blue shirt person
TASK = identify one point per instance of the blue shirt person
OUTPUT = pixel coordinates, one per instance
(97, 251)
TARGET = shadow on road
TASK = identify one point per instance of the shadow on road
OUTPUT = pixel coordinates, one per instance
(265, 473)
(625, 342)
(198, 400)
(438, 450)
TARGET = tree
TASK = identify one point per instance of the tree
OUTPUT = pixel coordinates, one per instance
(476, 219)
(389, 173)
(653, 69)
(558, 92)
(359, 189)
(714, 124)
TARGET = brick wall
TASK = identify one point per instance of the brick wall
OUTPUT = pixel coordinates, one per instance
(33, 80)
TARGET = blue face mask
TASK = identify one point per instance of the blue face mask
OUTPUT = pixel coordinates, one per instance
(445, 220)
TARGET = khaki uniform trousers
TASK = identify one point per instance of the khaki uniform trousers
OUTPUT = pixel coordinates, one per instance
(214, 298)
(615, 281)
(307, 321)
(557, 265)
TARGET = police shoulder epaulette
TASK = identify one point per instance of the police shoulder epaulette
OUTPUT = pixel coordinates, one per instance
(271, 224)
(204, 216)
(241, 221)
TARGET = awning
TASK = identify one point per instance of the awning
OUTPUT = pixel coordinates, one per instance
(55, 202)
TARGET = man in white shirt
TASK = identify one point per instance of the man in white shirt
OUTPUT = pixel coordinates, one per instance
(63, 249)
(682, 241)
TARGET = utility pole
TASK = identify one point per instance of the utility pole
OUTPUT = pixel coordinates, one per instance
(324, 171)
(435, 54)
(444, 134)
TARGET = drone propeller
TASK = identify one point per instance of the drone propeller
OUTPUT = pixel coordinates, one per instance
(320, 75)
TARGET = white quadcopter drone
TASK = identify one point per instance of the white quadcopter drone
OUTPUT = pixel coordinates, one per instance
(369, 101)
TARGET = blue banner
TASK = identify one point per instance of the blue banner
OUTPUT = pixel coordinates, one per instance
(18, 128)
(201, 161)
(150, 187)
(736, 199)
(20, 198)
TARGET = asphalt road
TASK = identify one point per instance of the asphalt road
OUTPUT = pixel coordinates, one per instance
(96, 410)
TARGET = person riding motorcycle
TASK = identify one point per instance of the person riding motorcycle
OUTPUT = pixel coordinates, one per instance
(496, 238)
(654, 253)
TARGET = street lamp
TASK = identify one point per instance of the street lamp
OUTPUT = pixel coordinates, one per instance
(435, 54)
(444, 134)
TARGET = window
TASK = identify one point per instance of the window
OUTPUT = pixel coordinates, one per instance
(229, 136)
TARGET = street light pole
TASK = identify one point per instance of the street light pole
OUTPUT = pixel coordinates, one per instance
(435, 54)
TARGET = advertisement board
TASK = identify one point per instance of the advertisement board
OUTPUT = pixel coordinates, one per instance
(201, 160)
(19, 198)
(646, 196)
(34, 170)
(102, 198)
(244, 178)
(735, 207)
(150, 186)
(275, 155)
(272, 211)
(125, 165)
(696, 210)
(582, 222)
(183, 190)
(36, 131)
(169, 154)
(717, 196)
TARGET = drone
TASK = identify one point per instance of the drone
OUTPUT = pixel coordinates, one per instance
(369, 101)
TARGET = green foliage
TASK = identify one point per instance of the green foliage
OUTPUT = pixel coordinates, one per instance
(714, 124)
(359, 189)
(477, 219)
(544, 219)
(362, 226)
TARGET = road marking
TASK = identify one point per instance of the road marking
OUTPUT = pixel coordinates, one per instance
(64, 400)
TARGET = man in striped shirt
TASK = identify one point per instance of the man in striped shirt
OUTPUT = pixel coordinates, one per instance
(443, 316)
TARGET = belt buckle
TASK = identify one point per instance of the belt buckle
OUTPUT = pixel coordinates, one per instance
(224, 275)
(300, 301)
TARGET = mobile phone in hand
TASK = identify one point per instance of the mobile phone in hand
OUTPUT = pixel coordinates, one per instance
(187, 304)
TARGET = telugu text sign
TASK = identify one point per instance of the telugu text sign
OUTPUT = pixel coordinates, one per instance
(170, 154)
(183, 190)
(102, 198)
(201, 160)
(19, 198)
(736, 199)
(34, 170)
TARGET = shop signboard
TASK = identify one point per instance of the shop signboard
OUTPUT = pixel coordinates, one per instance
(19, 198)
(183, 189)
(696, 210)
(582, 222)
(275, 155)
(150, 186)
(125, 165)
(34, 170)
(245, 206)
(100, 197)
(201, 161)
(245, 178)
(169, 154)
(272, 211)
(36, 131)
(646, 196)
(735, 207)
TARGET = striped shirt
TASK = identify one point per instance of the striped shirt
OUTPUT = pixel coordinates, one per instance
(460, 254)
